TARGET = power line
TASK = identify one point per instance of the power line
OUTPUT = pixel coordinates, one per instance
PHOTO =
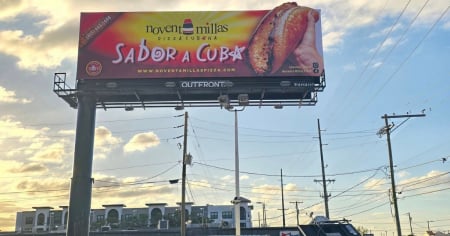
(385, 38)
(419, 181)
(376, 52)
(426, 193)
(292, 176)
(212, 166)
(361, 203)
(409, 55)
(243, 128)
(100, 121)
(134, 166)
(425, 163)
(199, 149)
(428, 186)
(401, 38)
(356, 185)
(367, 210)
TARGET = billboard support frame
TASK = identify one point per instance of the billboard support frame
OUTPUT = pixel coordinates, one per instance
(131, 94)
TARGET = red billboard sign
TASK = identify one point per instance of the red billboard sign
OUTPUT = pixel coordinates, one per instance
(283, 42)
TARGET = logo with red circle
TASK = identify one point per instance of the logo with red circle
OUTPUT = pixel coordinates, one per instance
(94, 68)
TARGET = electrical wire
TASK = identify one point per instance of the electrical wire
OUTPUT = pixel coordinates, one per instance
(426, 193)
(159, 174)
(401, 38)
(198, 147)
(375, 53)
(409, 55)
(420, 181)
(425, 163)
(356, 185)
(291, 176)
(367, 210)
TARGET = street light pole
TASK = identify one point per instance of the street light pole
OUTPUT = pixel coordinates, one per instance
(237, 209)
(225, 102)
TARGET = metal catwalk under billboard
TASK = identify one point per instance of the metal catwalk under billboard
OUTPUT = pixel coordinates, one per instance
(283, 42)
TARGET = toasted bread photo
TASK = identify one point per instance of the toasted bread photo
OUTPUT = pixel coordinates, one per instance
(276, 36)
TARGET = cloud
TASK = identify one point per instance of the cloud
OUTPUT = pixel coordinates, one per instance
(104, 142)
(376, 184)
(30, 146)
(403, 174)
(47, 50)
(350, 67)
(24, 193)
(141, 142)
(377, 64)
(14, 130)
(202, 184)
(14, 168)
(59, 22)
(7, 96)
(228, 178)
(29, 168)
(433, 180)
(447, 25)
(44, 185)
(244, 177)
(10, 9)
(385, 31)
(266, 189)
(332, 39)
(8, 214)
(67, 132)
(291, 187)
(19, 141)
(53, 153)
(386, 44)
(339, 19)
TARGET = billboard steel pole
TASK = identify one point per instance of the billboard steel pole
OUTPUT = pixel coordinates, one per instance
(81, 184)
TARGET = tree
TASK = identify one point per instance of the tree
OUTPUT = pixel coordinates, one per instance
(362, 230)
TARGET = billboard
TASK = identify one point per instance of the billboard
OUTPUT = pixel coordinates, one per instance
(170, 59)
(282, 42)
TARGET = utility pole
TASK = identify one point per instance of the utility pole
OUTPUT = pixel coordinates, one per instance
(259, 220)
(298, 211)
(387, 130)
(264, 215)
(410, 224)
(282, 199)
(183, 177)
(264, 224)
(428, 221)
(324, 183)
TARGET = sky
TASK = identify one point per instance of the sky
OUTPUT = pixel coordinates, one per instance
(381, 57)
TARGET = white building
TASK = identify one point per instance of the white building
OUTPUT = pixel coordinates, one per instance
(118, 216)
